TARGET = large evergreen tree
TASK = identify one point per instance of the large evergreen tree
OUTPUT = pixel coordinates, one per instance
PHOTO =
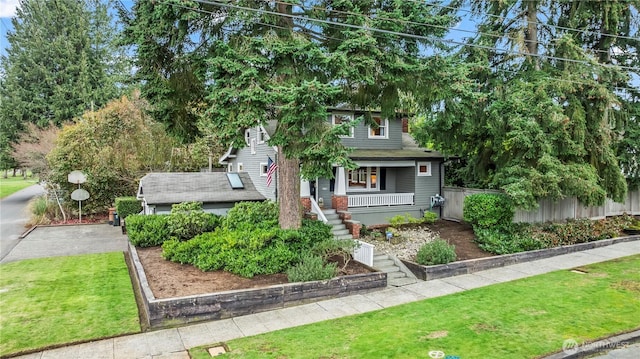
(288, 61)
(545, 100)
(60, 62)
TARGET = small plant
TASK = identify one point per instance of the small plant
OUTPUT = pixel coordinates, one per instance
(436, 252)
(329, 248)
(39, 208)
(126, 206)
(311, 267)
(429, 217)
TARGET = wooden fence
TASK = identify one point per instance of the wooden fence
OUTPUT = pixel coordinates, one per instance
(548, 210)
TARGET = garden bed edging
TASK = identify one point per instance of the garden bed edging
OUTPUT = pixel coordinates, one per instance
(160, 313)
(479, 264)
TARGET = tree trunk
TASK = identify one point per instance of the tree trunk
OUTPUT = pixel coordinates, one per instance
(288, 184)
(532, 32)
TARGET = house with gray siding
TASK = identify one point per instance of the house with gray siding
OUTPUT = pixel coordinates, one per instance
(395, 176)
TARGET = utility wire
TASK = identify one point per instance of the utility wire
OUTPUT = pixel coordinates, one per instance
(484, 67)
(419, 37)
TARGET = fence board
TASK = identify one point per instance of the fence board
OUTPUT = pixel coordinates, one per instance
(548, 210)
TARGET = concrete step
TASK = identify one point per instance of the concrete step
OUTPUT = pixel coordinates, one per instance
(380, 257)
(329, 211)
(399, 282)
(332, 217)
(344, 236)
(331, 222)
(396, 275)
(339, 232)
(378, 263)
(389, 269)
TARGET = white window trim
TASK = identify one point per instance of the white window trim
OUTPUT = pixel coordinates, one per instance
(230, 167)
(240, 167)
(420, 164)
(253, 146)
(367, 175)
(386, 129)
(260, 134)
(263, 169)
(351, 129)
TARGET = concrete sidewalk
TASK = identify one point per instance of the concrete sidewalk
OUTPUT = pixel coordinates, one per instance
(173, 343)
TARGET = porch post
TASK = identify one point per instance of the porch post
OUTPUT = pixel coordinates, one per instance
(339, 199)
(305, 195)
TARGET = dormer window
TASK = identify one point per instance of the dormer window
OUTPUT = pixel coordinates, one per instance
(341, 118)
(382, 130)
(247, 136)
(261, 134)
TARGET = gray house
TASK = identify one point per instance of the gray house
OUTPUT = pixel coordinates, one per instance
(218, 191)
(395, 176)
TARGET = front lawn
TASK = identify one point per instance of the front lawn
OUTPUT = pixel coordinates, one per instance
(520, 319)
(14, 184)
(51, 301)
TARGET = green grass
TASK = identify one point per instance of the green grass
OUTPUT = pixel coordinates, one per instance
(14, 184)
(521, 319)
(45, 302)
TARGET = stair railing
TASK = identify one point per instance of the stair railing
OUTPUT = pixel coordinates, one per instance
(316, 209)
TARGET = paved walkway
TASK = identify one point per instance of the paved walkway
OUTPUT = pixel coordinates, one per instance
(173, 343)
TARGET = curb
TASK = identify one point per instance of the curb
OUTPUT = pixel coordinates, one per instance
(575, 351)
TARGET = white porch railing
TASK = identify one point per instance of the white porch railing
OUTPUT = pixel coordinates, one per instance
(316, 209)
(364, 253)
(380, 199)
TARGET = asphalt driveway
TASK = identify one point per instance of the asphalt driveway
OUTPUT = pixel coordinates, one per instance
(55, 241)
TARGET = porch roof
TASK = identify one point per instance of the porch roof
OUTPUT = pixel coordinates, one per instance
(400, 154)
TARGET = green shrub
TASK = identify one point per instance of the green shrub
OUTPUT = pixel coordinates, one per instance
(311, 267)
(487, 210)
(248, 214)
(512, 239)
(147, 230)
(126, 206)
(188, 219)
(436, 252)
(429, 217)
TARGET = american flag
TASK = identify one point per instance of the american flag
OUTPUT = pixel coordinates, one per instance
(271, 169)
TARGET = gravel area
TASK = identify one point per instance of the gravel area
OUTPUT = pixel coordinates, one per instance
(406, 244)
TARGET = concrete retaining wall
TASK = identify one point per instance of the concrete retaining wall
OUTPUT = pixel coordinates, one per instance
(172, 311)
(479, 264)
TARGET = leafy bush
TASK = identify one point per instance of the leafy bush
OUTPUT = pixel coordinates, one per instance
(247, 214)
(429, 217)
(147, 230)
(311, 267)
(487, 210)
(126, 206)
(188, 219)
(436, 252)
(513, 239)
(398, 220)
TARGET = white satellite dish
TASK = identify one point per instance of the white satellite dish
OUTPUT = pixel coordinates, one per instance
(77, 177)
(79, 195)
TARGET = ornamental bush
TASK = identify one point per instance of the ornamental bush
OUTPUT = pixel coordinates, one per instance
(247, 214)
(311, 267)
(147, 230)
(188, 220)
(488, 210)
(436, 252)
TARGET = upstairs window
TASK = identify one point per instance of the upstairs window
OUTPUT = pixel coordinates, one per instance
(424, 168)
(341, 118)
(382, 130)
(247, 136)
(261, 134)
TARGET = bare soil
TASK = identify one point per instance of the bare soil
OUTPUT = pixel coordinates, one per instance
(169, 280)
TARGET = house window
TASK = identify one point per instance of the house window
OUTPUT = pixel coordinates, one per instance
(253, 146)
(240, 167)
(340, 118)
(424, 168)
(382, 131)
(261, 134)
(363, 179)
(230, 167)
(247, 136)
(263, 169)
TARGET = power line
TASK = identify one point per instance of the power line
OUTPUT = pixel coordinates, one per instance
(485, 67)
(419, 37)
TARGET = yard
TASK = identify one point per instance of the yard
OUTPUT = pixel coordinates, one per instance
(520, 319)
(12, 185)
